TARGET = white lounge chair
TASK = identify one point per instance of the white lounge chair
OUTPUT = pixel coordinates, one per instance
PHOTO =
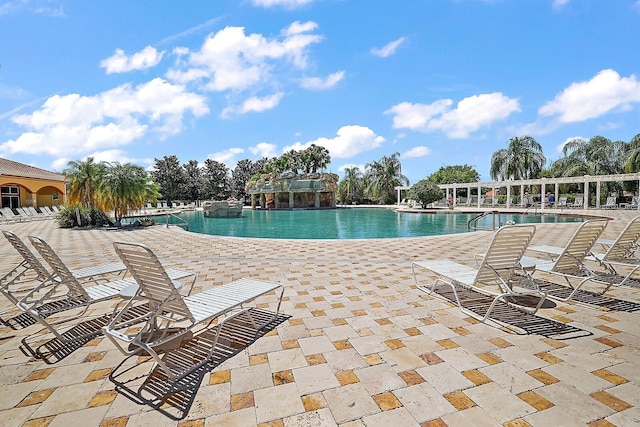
(65, 291)
(10, 216)
(562, 203)
(577, 203)
(623, 249)
(168, 308)
(610, 203)
(631, 205)
(568, 262)
(492, 278)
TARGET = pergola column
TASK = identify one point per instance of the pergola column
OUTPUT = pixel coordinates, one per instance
(543, 194)
(508, 196)
(454, 196)
(598, 195)
(479, 191)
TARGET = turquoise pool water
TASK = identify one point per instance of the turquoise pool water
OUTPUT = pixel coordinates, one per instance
(351, 223)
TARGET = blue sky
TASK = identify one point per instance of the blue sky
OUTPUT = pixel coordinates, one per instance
(441, 82)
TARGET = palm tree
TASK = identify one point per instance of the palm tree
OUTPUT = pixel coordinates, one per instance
(596, 156)
(633, 161)
(522, 159)
(351, 186)
(384, 175)
(124, 188)
(316, 158)
(83, 179)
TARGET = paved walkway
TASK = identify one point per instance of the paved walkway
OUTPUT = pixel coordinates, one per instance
(362, 345)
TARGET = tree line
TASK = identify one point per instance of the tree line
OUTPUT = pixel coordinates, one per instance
(122, 188)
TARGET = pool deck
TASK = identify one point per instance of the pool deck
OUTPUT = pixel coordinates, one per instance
(360, 344)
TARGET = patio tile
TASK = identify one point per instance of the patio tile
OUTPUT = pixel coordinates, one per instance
(472, 417)
(250, 378)
(511, 378)
(379, 378)
(316, 378)
(350, 402)
(500, 403)
(286, 359)
(277, 402)
(424, 402)
(315, 345)
(399, 417)
(444, 378)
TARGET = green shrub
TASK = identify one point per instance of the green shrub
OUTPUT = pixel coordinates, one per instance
(425, 192)
(69, 215)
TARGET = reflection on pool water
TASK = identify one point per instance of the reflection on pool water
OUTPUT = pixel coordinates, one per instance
(351, 223)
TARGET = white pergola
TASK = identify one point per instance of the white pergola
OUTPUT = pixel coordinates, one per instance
(544, 183)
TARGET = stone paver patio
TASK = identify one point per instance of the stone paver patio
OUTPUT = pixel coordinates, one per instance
(361, 345)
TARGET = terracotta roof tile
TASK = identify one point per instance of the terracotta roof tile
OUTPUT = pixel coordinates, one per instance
(9, 167)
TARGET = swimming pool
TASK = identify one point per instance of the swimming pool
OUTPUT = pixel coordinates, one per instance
(350, 223)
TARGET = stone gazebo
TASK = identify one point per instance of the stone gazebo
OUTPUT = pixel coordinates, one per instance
(290, 191)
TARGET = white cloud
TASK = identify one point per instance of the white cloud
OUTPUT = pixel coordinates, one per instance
(604, 93)
(264, 149)
(51, 8)
(316, 83)
(351, 165)
(226, 156)
(72, 124)
(254, 104)
(119, 62)
(349, 141)
(469, 115)
(388, 49)
(231, 60)
(560, 147)
(419, 151)
(559, 4)
(287, 4)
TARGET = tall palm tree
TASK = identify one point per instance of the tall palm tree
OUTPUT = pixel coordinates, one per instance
(522, 159)
(351, 186)
(83, 179)
(633, 161)
(125, 187)
(384, 175)
(596, 156)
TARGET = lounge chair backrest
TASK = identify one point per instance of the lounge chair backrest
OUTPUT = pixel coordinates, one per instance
(580, 244)
(152, 278)
(579, 200)
(60, 270)
(622, 249)
(503, 255)
(27, 255)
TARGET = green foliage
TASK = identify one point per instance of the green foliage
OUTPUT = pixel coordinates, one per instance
(455, 174)
(522, 159)
(383, 176)
(310, 160)
(425, 192)
(217, 185)
(170, 176)
(68, 215)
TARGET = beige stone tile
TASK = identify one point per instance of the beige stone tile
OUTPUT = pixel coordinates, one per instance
(83, 418)
(461, 359)
(424, 402)
(472, 417)
(379, 378)
(399, 417)
(513, 379)
(316, 378)
(287, 359)
(499, 402)
(277, 402)
(444, 378)
(68, 398)
(251, 378)
(318, 418)
(241, 418)
(350, 402)
(13, 394)
(574, 402)
(315, 345)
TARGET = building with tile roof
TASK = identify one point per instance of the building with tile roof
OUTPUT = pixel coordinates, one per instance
(24, 185)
